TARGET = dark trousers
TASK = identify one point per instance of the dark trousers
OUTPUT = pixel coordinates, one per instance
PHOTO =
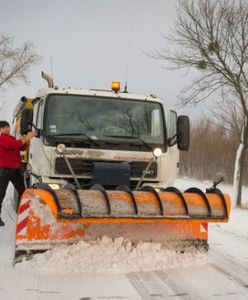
(10, 175)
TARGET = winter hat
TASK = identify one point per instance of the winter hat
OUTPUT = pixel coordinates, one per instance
(3, 124)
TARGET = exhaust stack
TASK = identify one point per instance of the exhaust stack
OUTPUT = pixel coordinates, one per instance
(48, 79)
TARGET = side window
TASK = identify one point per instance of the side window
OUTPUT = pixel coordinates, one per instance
(172, 130)
(39, 115)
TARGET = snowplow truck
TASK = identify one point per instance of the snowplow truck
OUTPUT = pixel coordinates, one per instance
(103, 164)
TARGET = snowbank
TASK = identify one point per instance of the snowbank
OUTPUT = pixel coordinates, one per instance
(111, 256)
(237, 224)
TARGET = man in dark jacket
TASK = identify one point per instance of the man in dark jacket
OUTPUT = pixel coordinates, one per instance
(10, 161)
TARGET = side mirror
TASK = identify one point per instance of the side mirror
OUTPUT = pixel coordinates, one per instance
(26, 121)
(183, 133)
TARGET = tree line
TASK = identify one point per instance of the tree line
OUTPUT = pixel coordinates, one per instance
(212, 153)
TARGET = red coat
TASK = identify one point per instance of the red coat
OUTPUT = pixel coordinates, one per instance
(10, 148)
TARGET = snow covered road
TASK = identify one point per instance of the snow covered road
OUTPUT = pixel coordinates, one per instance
(223, 276)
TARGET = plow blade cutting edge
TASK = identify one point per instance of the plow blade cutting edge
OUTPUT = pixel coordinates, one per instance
(49, 217)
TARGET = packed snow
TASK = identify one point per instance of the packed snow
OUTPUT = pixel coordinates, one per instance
(108, 255)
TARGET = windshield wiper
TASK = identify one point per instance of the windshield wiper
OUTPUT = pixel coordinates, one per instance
(133, 138)
(61, 135)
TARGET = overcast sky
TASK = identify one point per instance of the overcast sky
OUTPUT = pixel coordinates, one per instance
(93, 42)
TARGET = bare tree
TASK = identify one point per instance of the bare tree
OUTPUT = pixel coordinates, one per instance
(229, 115)
(15, 62)
(212, 37)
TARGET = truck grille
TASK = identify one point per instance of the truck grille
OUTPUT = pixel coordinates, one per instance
(84, 167)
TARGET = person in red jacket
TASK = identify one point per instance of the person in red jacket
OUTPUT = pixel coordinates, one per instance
(10, 161)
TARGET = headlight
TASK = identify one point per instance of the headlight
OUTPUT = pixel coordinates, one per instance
(157, 152)
(60, 148)
(54, 186)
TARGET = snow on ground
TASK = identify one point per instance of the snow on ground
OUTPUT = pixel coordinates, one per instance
(238, 224)
(111, 256)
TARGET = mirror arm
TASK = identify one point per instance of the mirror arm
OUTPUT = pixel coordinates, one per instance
(170, 140)
(38, 131)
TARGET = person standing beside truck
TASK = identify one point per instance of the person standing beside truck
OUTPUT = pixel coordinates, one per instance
(10, 161)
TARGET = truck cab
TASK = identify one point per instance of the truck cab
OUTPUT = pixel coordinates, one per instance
(103, 137)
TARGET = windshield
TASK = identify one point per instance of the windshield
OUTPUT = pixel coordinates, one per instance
(104, 119)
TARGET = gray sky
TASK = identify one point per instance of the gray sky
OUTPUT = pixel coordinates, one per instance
(93, 42)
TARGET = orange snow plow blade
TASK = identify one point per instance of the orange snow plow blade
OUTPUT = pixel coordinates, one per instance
(50, 217)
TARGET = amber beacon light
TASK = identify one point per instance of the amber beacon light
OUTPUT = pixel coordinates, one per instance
(116, 86)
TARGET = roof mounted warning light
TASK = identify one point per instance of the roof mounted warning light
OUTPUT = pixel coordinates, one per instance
(116, 86)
